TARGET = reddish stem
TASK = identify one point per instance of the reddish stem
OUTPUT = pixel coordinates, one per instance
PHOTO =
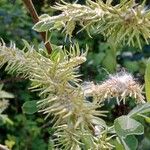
(35, 19)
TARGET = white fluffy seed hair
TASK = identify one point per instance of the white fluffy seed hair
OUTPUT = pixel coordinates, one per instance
(120, 86)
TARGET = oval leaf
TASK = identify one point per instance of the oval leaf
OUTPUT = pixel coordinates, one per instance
(30, 107)
(130, 143)
(127, 126)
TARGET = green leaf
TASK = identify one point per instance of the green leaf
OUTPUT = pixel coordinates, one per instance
(38, 144)
(140, 109)
(56, 56)
(147, 119)
(109, 61)
(27, 45)
(132, 66)
(30, 107)
(130, 142)
(118, 146)
(145, 143)
(96, 59)
(147, 81)
(37, 27)
(10, 143)
(127, 126)
(87, 140)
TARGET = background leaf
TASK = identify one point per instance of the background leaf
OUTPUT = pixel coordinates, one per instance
(130, 142)
(147, 81)
(140, 109)
(29, 107)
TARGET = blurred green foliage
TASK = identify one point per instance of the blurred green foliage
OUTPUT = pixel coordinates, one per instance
(14, 22)
(30, 132)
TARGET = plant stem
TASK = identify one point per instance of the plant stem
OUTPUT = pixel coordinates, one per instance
(35, 18)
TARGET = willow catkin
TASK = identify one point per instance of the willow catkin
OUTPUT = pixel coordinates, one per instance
(120, 86)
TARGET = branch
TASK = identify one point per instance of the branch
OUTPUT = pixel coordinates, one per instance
(2, 147)
(35, 19)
